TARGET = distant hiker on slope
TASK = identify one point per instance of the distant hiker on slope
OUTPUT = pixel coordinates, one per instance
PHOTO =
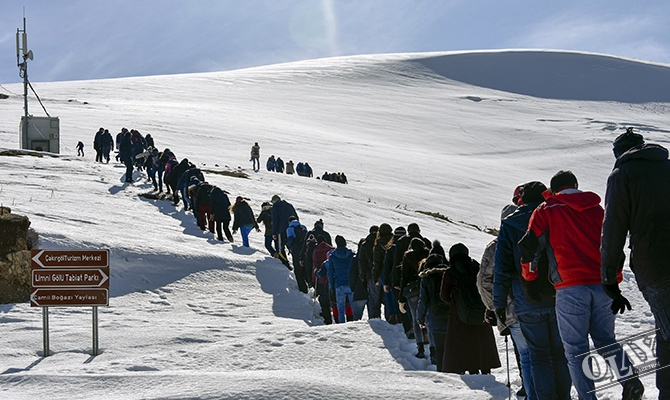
(255, 157)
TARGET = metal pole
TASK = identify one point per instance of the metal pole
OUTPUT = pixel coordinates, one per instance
(45, 330)
(95, 331)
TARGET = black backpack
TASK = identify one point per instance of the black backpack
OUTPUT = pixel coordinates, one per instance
(299, 241)
(469, 306)
(541, 290)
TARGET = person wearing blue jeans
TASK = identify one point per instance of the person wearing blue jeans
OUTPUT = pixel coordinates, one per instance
(543, 365)
(637, 210)
(567, 228)
(584, 311)
(551, 377)
(521, 345)
(337, 268)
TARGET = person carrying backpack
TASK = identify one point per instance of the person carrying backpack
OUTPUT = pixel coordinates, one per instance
(543, 363)
(566, 228)
(296, 234)
(337, 267)
(470, 345)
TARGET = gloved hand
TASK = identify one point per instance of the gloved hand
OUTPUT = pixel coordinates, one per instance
(501, 313)
(490, 318)
(619, 303)
(401, 306)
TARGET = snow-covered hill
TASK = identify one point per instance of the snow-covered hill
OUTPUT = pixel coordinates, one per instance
(415, 133)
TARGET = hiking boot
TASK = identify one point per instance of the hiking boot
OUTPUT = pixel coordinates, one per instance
(420, 354)
(521, 392)
(633, 389)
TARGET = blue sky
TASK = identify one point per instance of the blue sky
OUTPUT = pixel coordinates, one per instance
(90, 39)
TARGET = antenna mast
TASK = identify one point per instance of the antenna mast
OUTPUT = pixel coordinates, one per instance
(23, 52)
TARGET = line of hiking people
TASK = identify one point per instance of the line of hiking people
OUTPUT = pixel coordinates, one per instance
(549, 281)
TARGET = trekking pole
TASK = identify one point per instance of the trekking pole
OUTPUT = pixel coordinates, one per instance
(509, 383)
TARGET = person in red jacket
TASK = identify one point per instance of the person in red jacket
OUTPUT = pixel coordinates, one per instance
(567, 227)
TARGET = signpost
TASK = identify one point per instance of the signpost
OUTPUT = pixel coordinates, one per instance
(67, 278)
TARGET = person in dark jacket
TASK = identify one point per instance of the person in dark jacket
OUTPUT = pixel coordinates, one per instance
(80, 148)
(359, 287)
(296, 234)
(391, 311)
(432, 312)
(244, 219)
(401, 247)
(543, 359)
(306, 259)
(107, 143)
(266, 218)
(636, 202)
(184, 182)
(409, 287)
(149, 141)
(467, 347)
(319, 256)
(337, 268)
(255, 157)
(220, 205)
(203, 206)
(308, 170)
(271, 163)
(281, 211)
(173, 176)
(279, 165)
(364, 256)
(383, 240)
(97, 144)
(126, 155)
(318, 230)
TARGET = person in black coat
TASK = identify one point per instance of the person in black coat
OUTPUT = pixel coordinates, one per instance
(318, 230)
(172, 178)
(636, 203)
(220, 204)
(432, 312)
(126, 155)
(281, 211)
(203, 206)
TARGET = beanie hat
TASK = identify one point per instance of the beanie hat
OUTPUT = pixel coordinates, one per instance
(275, 199)
(458, 250)
(437, 248)
(417, 244)
(626, 141)
(385, 229)
(400, 231)
(531, 192)
(413, 228)
(292, 218)
(433, 260)
(318, 223)
(340, 241)
(238, 199)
